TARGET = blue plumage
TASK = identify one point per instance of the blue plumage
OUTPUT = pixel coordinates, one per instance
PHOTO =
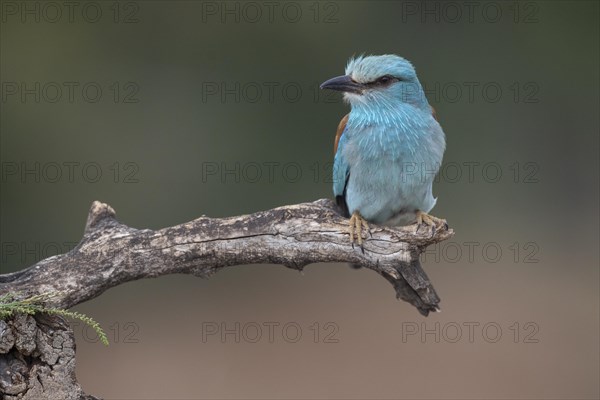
(391, 146)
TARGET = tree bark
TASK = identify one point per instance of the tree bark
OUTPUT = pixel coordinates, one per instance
(37, 359)
(111, 253)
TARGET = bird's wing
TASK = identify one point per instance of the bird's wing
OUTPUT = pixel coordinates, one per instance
(433, 113)
(338, 134)
(341, 169)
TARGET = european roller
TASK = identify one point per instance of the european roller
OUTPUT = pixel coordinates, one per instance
(388, 149)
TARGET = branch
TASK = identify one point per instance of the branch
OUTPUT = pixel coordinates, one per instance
(37, 359)
(111, 253)
(37, 353)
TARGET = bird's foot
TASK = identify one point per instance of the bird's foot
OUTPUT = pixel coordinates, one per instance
(357, 226)
(430, 220)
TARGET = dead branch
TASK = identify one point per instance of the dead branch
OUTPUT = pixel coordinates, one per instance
(111, 253)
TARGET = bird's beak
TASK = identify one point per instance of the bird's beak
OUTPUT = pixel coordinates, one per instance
(343, 83)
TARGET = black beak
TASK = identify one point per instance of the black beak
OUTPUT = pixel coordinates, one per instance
(343, 83)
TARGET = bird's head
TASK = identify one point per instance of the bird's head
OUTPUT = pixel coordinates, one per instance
(378, 81)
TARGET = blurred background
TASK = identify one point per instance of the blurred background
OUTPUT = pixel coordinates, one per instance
(168, 110)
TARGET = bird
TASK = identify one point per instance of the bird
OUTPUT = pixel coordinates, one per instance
(388, 148)
(387, 151)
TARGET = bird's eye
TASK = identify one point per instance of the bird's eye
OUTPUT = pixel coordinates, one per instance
(386, 79)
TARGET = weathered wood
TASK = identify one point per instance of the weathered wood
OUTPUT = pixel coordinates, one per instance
(37, 354)
(111, 253)
(37, 359)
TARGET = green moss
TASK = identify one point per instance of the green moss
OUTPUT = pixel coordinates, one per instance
(10, 304)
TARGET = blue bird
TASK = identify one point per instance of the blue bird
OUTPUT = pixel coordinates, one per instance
(388, 149)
